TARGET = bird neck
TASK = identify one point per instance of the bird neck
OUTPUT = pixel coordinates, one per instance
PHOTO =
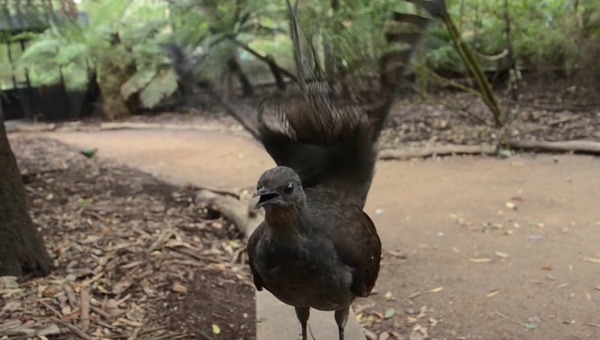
(283, 219)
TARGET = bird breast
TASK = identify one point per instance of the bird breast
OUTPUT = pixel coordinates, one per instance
(305, 273)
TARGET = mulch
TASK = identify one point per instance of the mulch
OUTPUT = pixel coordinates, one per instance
(134, 257)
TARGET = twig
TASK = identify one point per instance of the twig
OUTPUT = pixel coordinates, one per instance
(70, 295)
(152, 330)
(237, 253)
(439, 150)
(135, 333)
(85, 308)
(580, 146)
(73, 329)
(164, 235)
(195, 255)
(268, 61)
(508, 318)
(52, 309)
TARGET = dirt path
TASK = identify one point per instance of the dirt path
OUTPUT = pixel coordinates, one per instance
(473, 266)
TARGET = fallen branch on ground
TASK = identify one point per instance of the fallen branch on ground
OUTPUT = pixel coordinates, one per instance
(239, 213)
(576, 146)
(436, 150)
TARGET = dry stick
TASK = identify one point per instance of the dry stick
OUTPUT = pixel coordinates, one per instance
(162, 237)
(236, 254)
(508, 318)
(85, 309)
(135, 333)
(582, 146)
(267, 60)
(70, 295)
(73, 329)
(152, 330)
(440, 150)
(52, 309)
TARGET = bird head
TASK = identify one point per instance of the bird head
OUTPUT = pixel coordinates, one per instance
(279, 187)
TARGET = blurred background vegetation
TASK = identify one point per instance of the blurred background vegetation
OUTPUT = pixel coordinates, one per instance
(118, 46)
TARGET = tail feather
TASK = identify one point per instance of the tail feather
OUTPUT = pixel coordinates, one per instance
(328, 133)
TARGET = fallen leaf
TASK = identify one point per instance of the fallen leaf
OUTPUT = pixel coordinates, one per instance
(492, 293)
(504, 153)
(179, 288)
(397, 253)
(529, 326)
(416, 335)
(389, 296)
(216, 329)
(411, 319)
(384, 336)
(437, 290)
(414, 295)
(389, 313)
(511, 205)
(89, 153)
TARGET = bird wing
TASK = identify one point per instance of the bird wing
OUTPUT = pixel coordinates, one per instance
(256, 236)
(358, 246)
(327, 132)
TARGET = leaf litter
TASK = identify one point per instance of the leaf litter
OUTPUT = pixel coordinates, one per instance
(133, 257)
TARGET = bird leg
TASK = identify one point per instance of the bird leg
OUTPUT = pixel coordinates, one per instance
(302, 313)
(341, 317)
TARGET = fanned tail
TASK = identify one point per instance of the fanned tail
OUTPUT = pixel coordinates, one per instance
(327, 133)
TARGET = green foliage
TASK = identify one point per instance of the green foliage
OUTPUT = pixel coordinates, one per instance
(161, 86)
(121, 45)
(545, 33)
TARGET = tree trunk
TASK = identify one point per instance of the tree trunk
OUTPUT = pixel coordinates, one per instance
(276, 72)
(110, 81)
(22, 250)
(236, 69)
(112, 73)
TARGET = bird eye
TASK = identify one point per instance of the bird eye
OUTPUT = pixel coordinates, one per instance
(289, 187)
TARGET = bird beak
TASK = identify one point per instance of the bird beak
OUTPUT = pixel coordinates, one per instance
(266, 197)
